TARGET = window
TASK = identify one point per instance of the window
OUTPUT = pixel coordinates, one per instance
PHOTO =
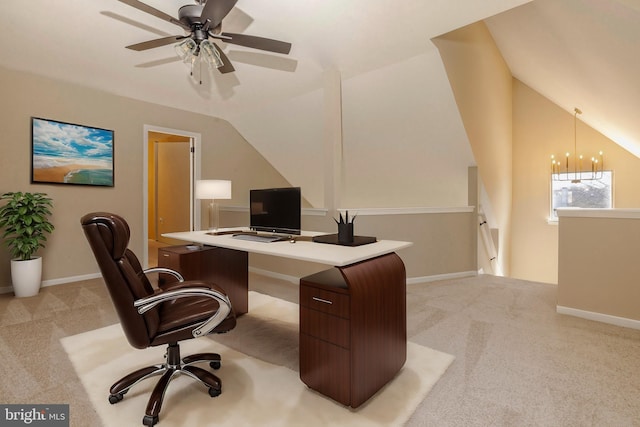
(583, 194)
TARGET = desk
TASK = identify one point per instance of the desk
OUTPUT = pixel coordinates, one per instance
(321, 253)
(353, 321)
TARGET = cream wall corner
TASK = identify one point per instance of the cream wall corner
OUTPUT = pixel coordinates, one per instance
(481, 82)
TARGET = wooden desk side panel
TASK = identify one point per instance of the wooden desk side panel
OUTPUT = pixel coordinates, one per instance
(378, 323)
(228, 268)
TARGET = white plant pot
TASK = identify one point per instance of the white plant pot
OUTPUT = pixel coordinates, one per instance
(26, 276)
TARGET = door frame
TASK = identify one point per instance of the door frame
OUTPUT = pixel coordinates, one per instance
(195, 164)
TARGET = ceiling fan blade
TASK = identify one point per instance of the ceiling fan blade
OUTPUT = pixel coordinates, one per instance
(264, 60)
(226, 67)
(155, 12)
(261, 43)
(134, 23)
(216, 10)
(155, 43)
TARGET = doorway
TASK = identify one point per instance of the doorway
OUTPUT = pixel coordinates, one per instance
(170, 160)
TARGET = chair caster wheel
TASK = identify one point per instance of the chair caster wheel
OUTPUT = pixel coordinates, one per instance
(149, 420)
(115, 398)
(215, 365)
(213, 392)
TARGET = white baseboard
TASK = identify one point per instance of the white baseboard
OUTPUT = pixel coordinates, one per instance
(53, 282)
(436, 277)
(599, 317)
(274, 275)
(71, 279)
(266, 273)
(410, 281)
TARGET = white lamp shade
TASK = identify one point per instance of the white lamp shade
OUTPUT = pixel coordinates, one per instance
(213, 189)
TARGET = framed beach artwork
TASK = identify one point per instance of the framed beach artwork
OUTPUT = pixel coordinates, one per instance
(65, 153)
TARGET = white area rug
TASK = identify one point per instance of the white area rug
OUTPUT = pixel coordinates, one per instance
(254, 392)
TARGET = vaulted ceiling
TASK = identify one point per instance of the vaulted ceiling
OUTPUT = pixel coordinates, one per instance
(579, 53)
(84, 42)
(575, 52)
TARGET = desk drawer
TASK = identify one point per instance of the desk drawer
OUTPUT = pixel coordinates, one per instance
(325, 327)
(325, 368)
(333, 303)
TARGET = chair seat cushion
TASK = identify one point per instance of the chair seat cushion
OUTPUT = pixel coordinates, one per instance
(180, 316)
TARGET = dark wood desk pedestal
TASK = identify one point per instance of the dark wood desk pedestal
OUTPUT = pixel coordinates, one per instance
(353, 328)
(228, 268)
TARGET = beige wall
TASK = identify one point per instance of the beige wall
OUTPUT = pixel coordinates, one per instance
(599, 266)
(444, 243)
(224, 154)
(481, 83)
(541, 128)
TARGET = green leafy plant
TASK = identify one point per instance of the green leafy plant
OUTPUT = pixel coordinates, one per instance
(25, 218)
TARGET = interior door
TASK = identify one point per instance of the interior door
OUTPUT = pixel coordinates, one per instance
(173, 183)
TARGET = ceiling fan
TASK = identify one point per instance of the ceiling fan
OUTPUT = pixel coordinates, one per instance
(201, 22)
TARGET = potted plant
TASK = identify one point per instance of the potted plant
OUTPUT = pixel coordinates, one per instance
(25, 219)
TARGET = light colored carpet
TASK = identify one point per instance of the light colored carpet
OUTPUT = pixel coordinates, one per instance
(255, 391)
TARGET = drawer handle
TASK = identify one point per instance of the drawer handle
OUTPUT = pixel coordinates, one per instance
(322, 300)
(165, 255)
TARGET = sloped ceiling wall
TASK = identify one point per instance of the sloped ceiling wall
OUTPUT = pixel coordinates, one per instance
(574, 52)
(403, 142)
(578, 53)
(289, 135)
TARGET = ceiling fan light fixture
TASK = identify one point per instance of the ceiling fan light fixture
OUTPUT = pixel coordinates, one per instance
(186, 49)
(210, 55)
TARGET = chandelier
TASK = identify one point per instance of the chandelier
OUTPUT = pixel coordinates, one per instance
(574, 169)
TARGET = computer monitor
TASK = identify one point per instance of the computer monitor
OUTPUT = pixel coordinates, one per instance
(276, 210)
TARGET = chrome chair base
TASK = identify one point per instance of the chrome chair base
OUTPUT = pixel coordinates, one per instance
(173, 367)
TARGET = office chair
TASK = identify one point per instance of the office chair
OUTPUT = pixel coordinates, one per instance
(149, 317)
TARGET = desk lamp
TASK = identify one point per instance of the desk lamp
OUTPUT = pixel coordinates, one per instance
(213, 189)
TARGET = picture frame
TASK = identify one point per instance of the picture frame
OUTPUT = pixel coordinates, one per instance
(67, 153)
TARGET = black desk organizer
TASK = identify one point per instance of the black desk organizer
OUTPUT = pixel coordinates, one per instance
(333, 240)
(345, 236)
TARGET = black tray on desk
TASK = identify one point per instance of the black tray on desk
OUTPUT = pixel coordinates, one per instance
(333, 240)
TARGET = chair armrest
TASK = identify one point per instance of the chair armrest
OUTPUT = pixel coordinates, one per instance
(224, 305)
(165, 270)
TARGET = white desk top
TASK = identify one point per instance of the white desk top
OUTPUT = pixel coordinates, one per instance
(322, 253)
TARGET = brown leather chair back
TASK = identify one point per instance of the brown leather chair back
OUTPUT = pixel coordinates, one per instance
(108, 235)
